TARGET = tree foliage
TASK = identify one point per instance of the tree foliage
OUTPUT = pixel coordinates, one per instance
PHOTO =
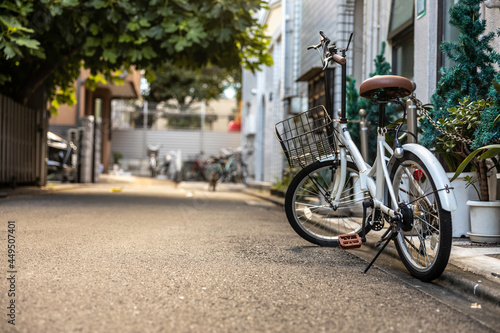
(187, 86)
(45, 43)
(471, 78)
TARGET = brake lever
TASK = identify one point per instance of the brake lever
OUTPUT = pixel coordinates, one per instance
(323, 36)
(314, 46)
(326, 62)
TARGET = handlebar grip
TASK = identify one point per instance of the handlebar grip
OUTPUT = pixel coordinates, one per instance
(339, 59)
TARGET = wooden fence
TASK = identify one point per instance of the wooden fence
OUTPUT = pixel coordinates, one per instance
(23, 144)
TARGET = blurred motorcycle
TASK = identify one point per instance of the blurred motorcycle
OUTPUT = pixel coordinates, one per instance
(61, 159)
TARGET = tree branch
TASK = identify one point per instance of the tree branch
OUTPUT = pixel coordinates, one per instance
(42, 75)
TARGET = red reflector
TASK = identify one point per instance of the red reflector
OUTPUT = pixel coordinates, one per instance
(418, 174)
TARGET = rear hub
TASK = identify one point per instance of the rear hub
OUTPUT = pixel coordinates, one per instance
(407, 213)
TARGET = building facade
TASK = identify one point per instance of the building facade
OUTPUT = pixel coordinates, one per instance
(96, 103)
(411, 29)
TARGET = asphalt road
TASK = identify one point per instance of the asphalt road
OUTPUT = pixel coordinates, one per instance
(150, 257)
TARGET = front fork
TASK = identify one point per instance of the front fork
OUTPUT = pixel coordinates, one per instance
(339, 181)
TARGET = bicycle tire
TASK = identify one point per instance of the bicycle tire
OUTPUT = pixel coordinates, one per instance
(187, 172)
(425, 249)
(307, 208)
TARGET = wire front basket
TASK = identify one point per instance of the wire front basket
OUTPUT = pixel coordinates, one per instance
(307, 137)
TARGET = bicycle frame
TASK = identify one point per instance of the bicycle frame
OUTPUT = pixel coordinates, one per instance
(376, 187)
(381, 185)
(376, 179)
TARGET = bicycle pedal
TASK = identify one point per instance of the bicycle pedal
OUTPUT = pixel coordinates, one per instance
(349, 241)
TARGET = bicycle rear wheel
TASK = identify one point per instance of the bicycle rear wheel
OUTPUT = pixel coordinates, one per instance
(425, 248)
(308, 204)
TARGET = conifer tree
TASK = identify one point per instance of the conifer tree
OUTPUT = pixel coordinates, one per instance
(471, 77)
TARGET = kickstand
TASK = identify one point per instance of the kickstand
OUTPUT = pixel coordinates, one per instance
(390, 237)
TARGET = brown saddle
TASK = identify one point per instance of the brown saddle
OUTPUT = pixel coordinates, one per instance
(386, 87)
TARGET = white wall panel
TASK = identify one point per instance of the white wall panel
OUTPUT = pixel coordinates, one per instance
(132, 143)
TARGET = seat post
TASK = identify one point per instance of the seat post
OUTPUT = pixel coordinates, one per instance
(381, 113)
(343, 115)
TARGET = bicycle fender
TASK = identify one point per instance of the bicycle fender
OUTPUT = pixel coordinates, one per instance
(447, 197)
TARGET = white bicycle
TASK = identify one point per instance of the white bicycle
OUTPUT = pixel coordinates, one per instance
(337, 198)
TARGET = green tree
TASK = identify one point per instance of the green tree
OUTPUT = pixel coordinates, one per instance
(470, 79)
(45, 43)
(187, 86)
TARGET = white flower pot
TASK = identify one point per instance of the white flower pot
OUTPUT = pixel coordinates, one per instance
(485, 221)
(460, 218)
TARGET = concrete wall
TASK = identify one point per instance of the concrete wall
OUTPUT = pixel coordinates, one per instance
(426, 50)
(132, 143)
(262, 104)
(492, 16)
(376, 22)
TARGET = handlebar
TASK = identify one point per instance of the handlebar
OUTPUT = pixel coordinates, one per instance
(337, 55)
(330, 53)
(314, 46)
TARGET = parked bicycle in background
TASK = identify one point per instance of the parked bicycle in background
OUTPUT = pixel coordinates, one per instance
(153, 160)
(226, 167)
(194, 169)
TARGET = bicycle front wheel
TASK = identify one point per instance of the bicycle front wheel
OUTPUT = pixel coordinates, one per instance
(425, 247)
(309, 203)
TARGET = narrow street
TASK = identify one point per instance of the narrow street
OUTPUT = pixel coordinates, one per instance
(152, 257)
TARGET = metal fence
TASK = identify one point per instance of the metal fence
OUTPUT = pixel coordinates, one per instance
(22, 144)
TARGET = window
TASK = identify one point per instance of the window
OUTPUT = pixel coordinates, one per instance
(446, 32)
(401, 37)
(402, 55)
(316, 85)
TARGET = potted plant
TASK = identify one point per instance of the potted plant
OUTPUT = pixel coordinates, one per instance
(117, 156)
(465, 103)
(467, 124)
(484, 214)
